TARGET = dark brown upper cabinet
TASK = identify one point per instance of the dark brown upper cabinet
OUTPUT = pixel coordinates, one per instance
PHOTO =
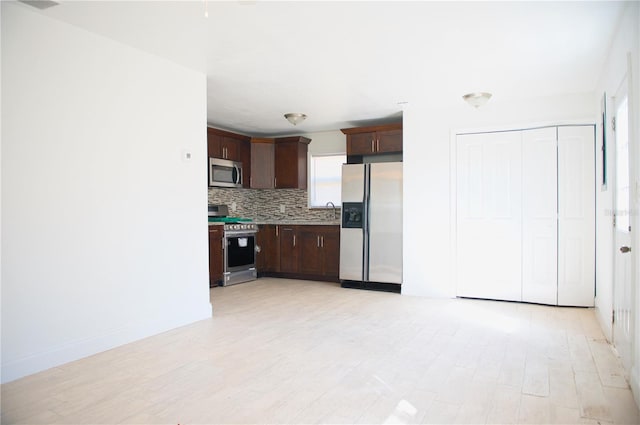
(291, 162)
(374, 140)
(262, 163)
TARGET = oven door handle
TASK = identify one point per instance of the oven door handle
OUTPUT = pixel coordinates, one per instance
(239, 235)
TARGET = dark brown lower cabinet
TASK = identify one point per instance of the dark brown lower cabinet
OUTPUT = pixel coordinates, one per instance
(288, 249)
(299, 251)
(268, 258)
(331, 251)
(215, 255)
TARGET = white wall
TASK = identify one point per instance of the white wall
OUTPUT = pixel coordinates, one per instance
(427, 247)
(103, 223)
(626, 41)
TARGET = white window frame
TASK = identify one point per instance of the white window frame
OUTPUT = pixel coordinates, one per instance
(311, 181)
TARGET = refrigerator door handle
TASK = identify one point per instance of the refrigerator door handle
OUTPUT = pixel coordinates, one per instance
(366, 224)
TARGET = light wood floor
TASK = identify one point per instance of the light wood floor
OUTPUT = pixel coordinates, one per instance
(286, 351)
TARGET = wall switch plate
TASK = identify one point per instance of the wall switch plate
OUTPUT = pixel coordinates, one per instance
(281, 208)
(233, 206)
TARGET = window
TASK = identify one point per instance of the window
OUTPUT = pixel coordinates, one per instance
(325, 175)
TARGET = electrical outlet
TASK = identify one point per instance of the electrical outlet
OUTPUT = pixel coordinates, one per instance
(233, 206)
(281, 208)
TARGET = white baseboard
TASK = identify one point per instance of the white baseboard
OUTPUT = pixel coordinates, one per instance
(75, 350)
(635, 383)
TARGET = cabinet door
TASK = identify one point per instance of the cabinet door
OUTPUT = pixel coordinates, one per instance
(268, 258)
(286, 173)
(288, 249)
(262, 165)
(331, 251)
(231, 149)
(310, 259)
(262, 241)
(361, 144)
(244, 153)
(389, 141)
(214, 145)
(215, 255)
(270, 248)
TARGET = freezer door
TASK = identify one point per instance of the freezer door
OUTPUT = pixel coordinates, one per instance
(385, 223)
(352, 183)
(351, 239)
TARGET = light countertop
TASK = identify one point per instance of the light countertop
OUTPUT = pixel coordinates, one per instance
(290, 222)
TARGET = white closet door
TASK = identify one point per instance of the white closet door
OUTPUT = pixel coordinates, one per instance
(489, 208)
(576, 216)
(539, 216)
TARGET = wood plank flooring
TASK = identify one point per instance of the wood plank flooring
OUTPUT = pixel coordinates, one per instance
(287, 351)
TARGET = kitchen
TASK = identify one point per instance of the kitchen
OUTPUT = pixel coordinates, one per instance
(294, 240)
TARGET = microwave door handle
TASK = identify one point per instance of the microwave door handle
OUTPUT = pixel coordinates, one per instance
(237, 175)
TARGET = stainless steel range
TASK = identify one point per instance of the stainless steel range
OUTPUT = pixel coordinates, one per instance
(239, 243)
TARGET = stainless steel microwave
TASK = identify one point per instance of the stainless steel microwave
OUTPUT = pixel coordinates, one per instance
(225, 173)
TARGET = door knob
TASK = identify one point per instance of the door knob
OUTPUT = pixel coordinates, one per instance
(625, 249)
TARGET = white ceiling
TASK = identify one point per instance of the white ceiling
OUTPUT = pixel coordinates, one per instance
(353, 63)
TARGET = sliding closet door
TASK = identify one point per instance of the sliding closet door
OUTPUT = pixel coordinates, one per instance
(576, 216)
(489, 208)
(539, 216)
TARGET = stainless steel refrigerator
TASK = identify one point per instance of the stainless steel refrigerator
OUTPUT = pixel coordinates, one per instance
(371, 229)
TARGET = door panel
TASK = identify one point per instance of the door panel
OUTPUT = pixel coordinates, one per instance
(539, 216)
(622, 283)
(385, 226)
(489, 219)
(352, 240)
(576, 216)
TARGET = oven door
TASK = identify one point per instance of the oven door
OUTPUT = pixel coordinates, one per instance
(239, 258)
(241, 251)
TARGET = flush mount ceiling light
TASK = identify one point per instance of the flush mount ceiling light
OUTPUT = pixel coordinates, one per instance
(477, 99)
(40, 4)
(295, 118)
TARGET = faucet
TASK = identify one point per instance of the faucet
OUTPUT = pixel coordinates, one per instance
(334, 208)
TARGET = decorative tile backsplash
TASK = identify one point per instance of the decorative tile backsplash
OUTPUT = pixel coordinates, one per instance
(264, 204)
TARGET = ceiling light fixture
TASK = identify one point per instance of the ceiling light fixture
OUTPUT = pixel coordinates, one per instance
(477, 99)
(295, 117)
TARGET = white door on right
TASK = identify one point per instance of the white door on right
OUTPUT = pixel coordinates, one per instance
(576, 215)
(622, 281)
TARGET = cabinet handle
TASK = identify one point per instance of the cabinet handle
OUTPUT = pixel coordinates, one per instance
(378, 145)
(277, 230)
(322, 241)
(275, 182)
(318, 241)
(294, 240)
(372, 146)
